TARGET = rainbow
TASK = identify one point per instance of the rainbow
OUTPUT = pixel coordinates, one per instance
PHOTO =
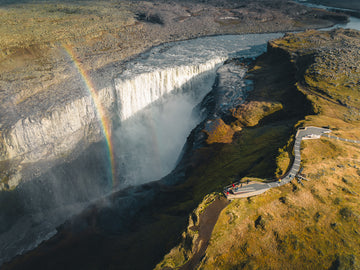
(99, 109)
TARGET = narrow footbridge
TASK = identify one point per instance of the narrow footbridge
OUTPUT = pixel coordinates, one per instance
(242, 190)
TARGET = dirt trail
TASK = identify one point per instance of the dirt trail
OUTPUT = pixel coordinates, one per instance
(207, 222)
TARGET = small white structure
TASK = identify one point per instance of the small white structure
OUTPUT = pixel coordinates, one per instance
(311, 136)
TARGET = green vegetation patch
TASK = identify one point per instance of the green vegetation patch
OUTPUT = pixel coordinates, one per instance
(250, 113)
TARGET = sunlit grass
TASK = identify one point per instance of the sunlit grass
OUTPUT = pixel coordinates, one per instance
(308, 225)
(312, 226)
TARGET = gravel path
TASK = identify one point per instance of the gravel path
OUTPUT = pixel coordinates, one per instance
(254, 188)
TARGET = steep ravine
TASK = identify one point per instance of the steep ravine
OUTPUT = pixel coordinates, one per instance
(56, 194)
(43, 94)
(263, 124)
(146, 145)
(164, 209)
(92, 114)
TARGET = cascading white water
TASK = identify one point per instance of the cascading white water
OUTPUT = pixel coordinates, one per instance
(136, 93)
(151, 136)
(156, 94)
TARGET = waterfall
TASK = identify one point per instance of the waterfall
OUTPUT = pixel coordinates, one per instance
(153, 99)
(155, 109)
(169, 68)
(136, 93)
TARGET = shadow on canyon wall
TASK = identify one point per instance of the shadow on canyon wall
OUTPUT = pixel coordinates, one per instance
(146, 147)
(115, 234)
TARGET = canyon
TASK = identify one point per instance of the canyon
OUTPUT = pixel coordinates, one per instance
(87, 113)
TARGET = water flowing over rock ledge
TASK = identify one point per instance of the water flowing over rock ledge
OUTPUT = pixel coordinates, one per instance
(33, 139)
(137, 93)
(86, 178)
(65, 126)
(114, 214)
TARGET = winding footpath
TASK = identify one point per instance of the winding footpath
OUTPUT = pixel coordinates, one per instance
(243, 190)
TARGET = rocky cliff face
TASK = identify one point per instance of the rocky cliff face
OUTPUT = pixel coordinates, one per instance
(81, 121)
(214, 166)
(44, 136)
(115, 212)
(36, 138)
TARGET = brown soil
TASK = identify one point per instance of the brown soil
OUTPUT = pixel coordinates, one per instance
(219, 132)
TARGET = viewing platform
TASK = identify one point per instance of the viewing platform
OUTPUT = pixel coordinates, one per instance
(252, 188)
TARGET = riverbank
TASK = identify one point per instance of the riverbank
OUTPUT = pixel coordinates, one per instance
(87, 176)
(200, 172)
(253, 152)
(350, 8)
(346, 4)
